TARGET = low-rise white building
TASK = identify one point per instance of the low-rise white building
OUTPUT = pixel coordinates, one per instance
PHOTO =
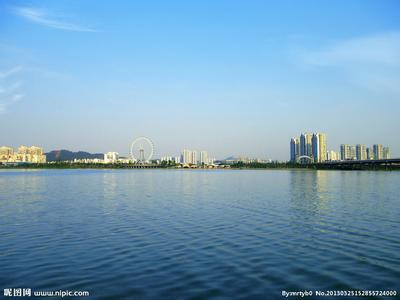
(124, 160)
(111, 157)
(167, 158)
(88, 160)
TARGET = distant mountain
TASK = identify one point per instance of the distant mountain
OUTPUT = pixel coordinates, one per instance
(230, 158)
(61, 155)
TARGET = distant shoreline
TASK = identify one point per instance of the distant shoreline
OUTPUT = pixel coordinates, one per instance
(276, 166)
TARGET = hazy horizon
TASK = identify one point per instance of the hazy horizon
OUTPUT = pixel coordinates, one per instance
(232, 78)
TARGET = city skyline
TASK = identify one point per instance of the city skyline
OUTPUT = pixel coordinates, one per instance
(312, 147)
(308, 147)
(232, 78)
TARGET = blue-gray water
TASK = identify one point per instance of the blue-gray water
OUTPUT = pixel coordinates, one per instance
(175, 234)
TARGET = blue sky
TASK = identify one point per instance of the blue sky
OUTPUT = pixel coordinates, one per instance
(231, 77)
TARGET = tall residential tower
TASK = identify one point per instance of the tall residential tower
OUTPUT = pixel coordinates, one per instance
(361, 152)
(294, 149)
(311, 145)
(378, 151)
(306, 144)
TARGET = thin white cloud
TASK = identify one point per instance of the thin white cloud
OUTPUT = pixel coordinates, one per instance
(9, 72)
(16, 97)
(43, 17)
(371, 62)
(9, 89)
(378, 49)
(6, 102)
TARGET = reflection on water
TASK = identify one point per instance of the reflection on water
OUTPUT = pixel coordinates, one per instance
(203, 234)
(309, 189)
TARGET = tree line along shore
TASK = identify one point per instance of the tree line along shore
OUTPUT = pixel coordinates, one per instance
(235, 166)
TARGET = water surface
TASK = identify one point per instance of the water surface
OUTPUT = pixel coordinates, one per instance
(177, 234)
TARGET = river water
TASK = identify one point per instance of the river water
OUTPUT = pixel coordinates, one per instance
(182, 234)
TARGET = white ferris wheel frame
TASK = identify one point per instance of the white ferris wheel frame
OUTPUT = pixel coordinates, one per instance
(149, 141)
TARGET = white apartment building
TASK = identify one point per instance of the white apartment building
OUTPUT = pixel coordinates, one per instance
(332, 155)
(189, 157)
(204, 160)
(25, 154)
(111, 157)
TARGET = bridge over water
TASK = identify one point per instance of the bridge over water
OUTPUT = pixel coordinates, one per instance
(388, 164)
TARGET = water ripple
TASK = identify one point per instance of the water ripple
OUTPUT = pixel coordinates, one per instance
(150, 234)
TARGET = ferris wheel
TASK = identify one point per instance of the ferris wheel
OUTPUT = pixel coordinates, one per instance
(142, 149)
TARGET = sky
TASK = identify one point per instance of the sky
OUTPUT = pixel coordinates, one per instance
(230, 77)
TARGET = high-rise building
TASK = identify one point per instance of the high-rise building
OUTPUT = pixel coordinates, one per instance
(186, 156)
(311, 145)
(302, 144)
(315, 147)
(319, 147)
(370, 153)
(297, 148)
(361, 152)
(294, 149)
(194, 157)
(204, 158)
(378, 151)
(353, 155)
(386, 153)
(347, 152)
(189, 157)
(344, 152)
(322, 146)
(332, 155)
(306, 144)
